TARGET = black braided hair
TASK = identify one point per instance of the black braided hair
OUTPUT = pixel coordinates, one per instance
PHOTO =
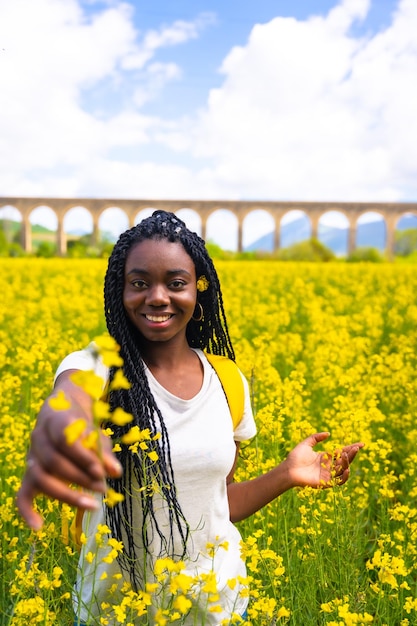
(210, 334)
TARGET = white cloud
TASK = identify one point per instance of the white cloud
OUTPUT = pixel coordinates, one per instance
(306, 109)
(49, 57)
(51, 144)
(171, 35)
(158, 75)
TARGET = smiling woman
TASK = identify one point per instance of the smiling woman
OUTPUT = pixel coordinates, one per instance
(170, 502)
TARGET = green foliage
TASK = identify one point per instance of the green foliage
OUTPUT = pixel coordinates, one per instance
(311, 250)
(216, 252)
(76, 250)
(84, 248)
(405, 242)
(11, 228)
(16, 250)
(10, 248)
(370, 255)
(46, 250)
(3, 244)
(106, 248)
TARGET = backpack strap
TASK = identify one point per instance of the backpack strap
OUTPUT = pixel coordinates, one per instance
(231, 380)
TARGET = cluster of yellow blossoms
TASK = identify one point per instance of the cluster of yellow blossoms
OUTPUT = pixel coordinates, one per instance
(324, 347)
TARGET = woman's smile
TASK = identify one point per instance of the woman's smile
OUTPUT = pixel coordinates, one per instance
(158, 318)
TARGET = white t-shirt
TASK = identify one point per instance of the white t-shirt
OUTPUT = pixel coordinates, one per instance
(202, 444)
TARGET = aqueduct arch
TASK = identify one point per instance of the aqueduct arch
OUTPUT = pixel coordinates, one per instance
(390, 212)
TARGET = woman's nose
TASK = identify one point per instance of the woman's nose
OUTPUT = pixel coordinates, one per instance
(157, 295)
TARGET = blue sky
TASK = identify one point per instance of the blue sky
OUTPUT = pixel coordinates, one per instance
(277, 100)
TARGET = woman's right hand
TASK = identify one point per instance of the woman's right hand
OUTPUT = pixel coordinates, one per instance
(53, 465)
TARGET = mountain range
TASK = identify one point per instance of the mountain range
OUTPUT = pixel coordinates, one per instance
(368, 235)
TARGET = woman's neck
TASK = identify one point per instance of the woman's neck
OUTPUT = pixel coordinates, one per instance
(179, 371)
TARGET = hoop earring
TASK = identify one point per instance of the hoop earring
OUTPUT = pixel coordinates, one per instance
(201, 315)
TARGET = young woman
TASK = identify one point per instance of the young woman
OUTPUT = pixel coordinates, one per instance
(164, 307)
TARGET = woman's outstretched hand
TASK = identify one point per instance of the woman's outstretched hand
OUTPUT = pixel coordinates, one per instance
(308, 468)
(54, 467)
(303, 467)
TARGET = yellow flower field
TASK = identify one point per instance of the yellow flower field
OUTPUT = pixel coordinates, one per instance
(324, 347)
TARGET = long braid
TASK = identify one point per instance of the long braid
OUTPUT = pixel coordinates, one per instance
(210, 334)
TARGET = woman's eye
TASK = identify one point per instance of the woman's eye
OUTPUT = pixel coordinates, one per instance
(140, 284)
(177, 284)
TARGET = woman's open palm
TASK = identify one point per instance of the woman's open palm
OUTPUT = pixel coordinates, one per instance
(308, 468)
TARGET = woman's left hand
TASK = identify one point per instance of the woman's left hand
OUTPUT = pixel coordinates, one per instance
(308, 468)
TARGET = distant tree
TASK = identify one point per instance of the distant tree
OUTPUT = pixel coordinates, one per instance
(311, 250)
(16, 250)
(216, 252)
(405, 242)
(12, 249)
(370, 255)
(76, 250)
(46, 250)
(106, 248)
(250, 255)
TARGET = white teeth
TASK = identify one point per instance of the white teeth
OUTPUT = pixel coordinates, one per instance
(158, 318)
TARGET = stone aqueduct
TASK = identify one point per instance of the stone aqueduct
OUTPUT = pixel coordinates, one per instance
(390, 212)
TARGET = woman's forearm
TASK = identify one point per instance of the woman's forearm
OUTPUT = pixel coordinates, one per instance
(247, 497)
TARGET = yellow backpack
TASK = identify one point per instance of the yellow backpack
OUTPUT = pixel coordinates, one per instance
(232, 384)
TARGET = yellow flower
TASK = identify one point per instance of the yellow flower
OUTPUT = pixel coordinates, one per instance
(120, 417)
(106, 342)
(119, 381)
(160, 618)
(74, 431)
(120, 612)
(101, 411)
(135, 434)
(90, 440)
(410, 604)
(111, 359)
(114, 543)
(89, 557)
(182, 604)
(112, 498)
(133, 448)
(210, 582)
(59, 402)
(180, 582)
(108, 349)
(89, 382)
(283, 612)
(167, 564)
(202, 283)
